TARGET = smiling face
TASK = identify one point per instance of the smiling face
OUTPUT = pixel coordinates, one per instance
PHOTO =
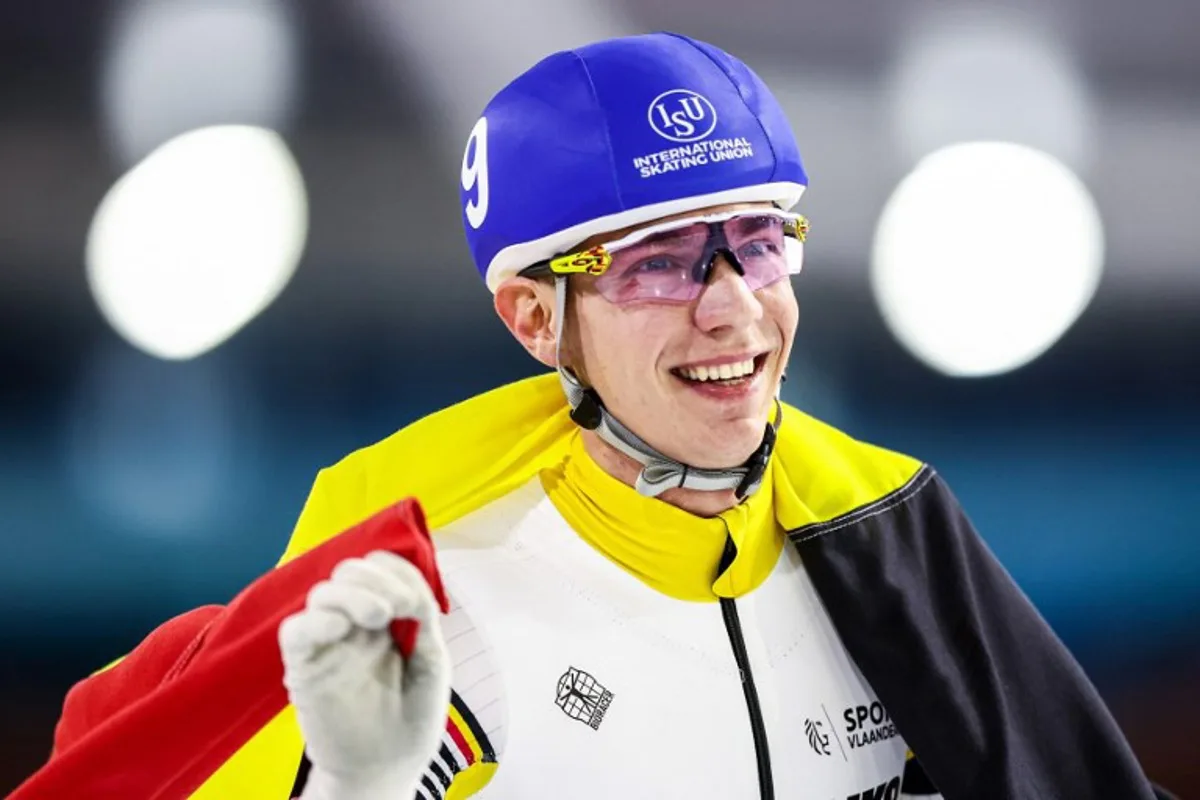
(696, 381)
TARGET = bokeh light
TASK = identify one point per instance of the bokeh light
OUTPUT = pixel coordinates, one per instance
(984, 256)
(196, 240)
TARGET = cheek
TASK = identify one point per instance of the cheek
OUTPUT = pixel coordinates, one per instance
(619, 346)
(599, 341)
(782, 310)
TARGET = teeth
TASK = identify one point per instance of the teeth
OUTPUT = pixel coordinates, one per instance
(724, 372)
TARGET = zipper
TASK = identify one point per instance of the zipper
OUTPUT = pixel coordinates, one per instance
(733, 627)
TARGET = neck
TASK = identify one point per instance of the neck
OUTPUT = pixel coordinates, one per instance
(625, 469)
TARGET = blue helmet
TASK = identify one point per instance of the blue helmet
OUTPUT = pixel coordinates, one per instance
(614, 134)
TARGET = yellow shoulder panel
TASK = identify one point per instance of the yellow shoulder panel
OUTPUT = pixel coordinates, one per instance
(821, 473)
(454, 461)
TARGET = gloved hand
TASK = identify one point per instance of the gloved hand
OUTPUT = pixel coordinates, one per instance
(371, 720)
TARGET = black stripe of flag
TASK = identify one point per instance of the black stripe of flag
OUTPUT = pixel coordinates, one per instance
(485, 745)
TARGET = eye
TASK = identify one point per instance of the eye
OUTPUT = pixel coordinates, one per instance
(655, 265)
(759, 248)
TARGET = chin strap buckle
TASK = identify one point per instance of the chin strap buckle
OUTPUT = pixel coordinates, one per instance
(588, 413)
(756, 465)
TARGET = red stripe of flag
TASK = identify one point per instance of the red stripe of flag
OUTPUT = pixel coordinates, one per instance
(457, 736)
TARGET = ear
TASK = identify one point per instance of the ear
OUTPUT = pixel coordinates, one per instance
(526, 307)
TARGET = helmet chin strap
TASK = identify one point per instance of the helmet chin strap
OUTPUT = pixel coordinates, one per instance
(658, 473)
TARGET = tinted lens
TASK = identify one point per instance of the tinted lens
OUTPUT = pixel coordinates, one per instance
(760, 246)
(662, 267)
(657, 268)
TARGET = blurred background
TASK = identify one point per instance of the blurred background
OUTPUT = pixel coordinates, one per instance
(231, 252)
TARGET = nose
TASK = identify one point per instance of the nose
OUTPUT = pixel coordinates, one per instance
(726, 300)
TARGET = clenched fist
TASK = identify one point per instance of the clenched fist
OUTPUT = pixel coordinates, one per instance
(371, 720)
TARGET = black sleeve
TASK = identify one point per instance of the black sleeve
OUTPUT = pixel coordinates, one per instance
(915, 782)
(984, 693)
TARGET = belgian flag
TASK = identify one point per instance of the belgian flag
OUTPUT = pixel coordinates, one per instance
(159, 722)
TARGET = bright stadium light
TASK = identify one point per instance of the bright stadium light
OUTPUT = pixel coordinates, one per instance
(984, 257)
(197, 239)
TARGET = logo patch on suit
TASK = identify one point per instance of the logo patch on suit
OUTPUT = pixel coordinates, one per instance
(582, 697)
(818, 741)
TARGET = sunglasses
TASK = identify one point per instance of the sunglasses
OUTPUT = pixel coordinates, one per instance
(671, 262)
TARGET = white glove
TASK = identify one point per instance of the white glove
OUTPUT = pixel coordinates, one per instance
(371, 721)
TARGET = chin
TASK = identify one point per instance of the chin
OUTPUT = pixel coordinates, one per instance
(727, 444)
(704, 434)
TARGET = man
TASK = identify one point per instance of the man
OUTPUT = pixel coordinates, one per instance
(663, 582)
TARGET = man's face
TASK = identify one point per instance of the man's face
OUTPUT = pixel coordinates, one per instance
(644, 360)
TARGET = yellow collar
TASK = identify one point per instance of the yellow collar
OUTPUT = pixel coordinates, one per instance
(666, 548)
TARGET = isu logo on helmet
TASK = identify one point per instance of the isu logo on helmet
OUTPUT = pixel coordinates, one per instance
(581, 697)
(682, 115)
